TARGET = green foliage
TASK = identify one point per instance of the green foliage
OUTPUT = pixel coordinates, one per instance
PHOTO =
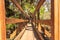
(10, 26)
(26, 5)
(29, 7)
(42, 9)
(32, 8)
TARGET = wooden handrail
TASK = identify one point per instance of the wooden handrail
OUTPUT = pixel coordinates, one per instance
(20, 35)
(12, 36)
(46, 22)
(14, 20)
(39, 35)
(47, 33)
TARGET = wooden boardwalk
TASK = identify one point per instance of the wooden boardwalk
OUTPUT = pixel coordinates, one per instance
(29, 34)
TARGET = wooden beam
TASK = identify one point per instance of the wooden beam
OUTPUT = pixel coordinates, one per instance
(38, 33)
(20, 35)
(2, 21)
(14, 20)
(52, 19)
(47, 33)
(19, 7)
(46, 22)
(38, 6)
(59, 19)
(56, 22)
(13, 34)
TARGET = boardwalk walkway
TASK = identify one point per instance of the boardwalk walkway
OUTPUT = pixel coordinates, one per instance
(29, 34)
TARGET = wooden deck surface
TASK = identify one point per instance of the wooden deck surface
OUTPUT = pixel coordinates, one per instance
(29, 34)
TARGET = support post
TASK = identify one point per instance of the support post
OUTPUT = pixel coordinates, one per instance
(59, 19)
(56, 21)
(53, 20)
(2, 21)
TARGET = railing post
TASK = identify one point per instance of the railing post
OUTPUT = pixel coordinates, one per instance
(2, 21)
(56, 22)
(59, 18)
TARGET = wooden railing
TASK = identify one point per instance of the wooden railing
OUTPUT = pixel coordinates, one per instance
(47, 30)
(14, 20)
(12, 36)
(18, 32)
(38, 33)
(40, 28)
(47, 33)
(46, 22)
(20, 35)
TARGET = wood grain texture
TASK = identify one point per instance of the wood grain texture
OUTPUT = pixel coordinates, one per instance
(56, 33)
(2, 21)
(59, 19)
(14, 20)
